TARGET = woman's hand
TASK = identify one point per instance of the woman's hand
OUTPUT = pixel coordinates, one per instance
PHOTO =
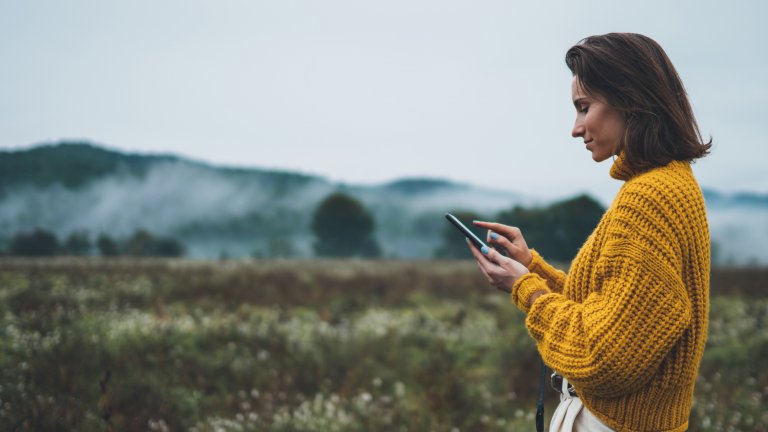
(501, 272)
(509, 238)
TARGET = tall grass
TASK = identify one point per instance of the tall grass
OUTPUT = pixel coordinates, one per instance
(309, 346)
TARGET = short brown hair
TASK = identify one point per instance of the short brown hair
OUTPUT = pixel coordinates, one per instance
(635, 76)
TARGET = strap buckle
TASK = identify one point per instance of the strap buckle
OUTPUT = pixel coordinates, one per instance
(557, 384)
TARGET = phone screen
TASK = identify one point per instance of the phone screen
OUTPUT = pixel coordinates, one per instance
(464, 230)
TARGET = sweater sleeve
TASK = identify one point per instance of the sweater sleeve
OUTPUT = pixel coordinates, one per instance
(555, 278)
(613, 342)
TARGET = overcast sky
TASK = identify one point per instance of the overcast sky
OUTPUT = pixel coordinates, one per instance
(366, 92)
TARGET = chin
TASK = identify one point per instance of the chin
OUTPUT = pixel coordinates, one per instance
(600, 158)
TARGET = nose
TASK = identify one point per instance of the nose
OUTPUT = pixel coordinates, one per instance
(578, 129)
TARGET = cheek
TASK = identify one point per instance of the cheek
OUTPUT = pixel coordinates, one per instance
(594, 125)
(608, 126)
(618, 130)
(617, 124)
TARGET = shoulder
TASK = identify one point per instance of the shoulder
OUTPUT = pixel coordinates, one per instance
(665, 204)
(670, 188)
(658, 214)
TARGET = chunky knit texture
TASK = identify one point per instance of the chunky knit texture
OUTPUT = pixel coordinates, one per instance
(627, 325)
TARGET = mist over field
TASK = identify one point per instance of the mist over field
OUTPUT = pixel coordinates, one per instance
(218, 211)
(740, 232)
(223, 211)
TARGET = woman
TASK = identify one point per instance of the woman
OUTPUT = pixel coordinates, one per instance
(626, 327)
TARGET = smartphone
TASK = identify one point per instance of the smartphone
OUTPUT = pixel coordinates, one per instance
(464, 230)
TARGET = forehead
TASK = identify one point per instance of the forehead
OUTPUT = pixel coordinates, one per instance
(576, 90)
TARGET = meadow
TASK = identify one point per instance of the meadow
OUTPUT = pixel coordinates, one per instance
(310, 345)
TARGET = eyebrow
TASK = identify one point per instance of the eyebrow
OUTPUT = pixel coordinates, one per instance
(577, 101)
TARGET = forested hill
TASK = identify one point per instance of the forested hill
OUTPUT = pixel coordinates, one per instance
(74, 164)
(80, 187)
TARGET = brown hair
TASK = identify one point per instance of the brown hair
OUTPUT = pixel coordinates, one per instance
(635, 76)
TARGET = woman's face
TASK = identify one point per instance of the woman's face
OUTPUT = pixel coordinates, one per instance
(598, 124)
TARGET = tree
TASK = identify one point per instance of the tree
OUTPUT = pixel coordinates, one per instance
(453, 244)
(166, 247)
(38, 242)
(77, 243)
(143, 243)
(557, 231)
(107, 246)
(139, 243)
(344, 228)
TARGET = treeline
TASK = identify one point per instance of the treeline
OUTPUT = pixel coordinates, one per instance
(41, 242)
(557, 231)
(343, 227)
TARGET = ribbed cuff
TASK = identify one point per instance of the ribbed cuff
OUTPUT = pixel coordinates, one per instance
(524, 288)
(537, 262)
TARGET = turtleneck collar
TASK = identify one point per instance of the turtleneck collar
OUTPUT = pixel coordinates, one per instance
(620, 170)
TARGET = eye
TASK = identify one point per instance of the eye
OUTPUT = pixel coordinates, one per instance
(583, 108)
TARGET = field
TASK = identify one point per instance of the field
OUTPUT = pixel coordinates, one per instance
(167, 345)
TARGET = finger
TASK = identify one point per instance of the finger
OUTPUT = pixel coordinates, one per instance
(495, 275)
(501, 241)
(476, 253)
(506, 249)
(482, 259)
(486, 267)
(485, 273)
(505, 230)
(493, 255)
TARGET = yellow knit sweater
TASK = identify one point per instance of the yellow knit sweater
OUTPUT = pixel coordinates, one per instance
(627, 325)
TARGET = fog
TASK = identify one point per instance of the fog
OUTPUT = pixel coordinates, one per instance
(215, 213)
(740, 234)
(170, 195)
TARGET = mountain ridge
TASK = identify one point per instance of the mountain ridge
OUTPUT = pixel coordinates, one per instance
(235, 211)
(74, 163)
